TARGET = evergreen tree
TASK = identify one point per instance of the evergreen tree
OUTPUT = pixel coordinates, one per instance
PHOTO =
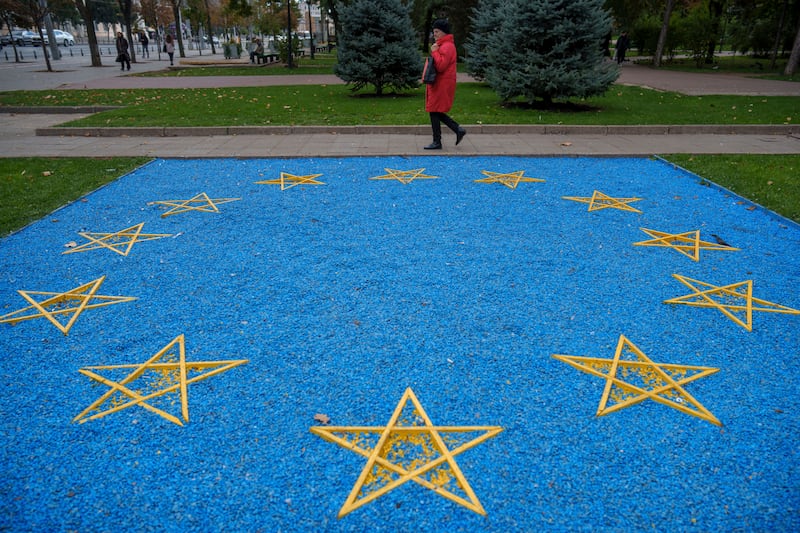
(377, 46)
(548, 49)
(485, 21)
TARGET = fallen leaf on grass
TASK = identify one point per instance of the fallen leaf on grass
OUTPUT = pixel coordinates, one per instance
(47, 173)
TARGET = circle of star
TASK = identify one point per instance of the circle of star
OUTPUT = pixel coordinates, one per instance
(404, 176)
(409, 448)
(632, 377)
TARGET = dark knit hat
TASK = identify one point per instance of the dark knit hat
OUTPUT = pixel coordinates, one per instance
(441, 24)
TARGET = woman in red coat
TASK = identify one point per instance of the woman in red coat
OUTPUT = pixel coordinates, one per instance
(440, 94)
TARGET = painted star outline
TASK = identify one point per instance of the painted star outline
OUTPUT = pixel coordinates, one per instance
(404, 176)
(435, 474)
(687, 243)
(63, 303)
(200, 202)
(287, 181)
(662, 383)
(720, 297)
(174, 372)
(509, 179)
(600, 200)
(120, 242)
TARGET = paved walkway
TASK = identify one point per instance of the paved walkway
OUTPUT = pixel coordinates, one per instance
(18, 131)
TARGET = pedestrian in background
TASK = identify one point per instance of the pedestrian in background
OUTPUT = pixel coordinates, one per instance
(123, 57)
(145, 44)
(440, 94)
(623, 43)
(169, 48)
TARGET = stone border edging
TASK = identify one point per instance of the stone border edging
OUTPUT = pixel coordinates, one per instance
(510, 129)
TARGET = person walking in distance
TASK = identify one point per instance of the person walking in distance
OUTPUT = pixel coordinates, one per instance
(145, 41)
(123, 57)
(169, 48)
(623, 43)
(440, 94)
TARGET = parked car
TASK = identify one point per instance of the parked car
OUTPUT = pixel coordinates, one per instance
(31, 38)
(64, 37)
(14, 37)
(196, 38)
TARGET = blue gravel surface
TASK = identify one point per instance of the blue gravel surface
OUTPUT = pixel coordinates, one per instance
(343, 295)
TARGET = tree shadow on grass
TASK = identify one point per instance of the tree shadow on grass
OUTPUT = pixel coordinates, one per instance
(556, 107)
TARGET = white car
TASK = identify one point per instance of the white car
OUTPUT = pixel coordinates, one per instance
(64, 37)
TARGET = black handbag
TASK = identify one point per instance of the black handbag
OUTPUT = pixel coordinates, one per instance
(429, 72)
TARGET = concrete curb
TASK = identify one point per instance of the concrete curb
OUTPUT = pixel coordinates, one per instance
(511, 129)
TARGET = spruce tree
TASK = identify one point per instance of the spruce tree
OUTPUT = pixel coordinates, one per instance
(378, 46)
(485, 21)
(549, 49)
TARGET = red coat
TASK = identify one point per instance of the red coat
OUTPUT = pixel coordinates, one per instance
(440, 94)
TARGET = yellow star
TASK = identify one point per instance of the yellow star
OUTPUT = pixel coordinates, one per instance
(159, 380)
(688, 243)
(404, 176)
(120, 242)
(641, 379)
(599, 200)
(287, 181)
(71, 303)
(201, 202)
(735, 301)
(509, 179)
(409, 448)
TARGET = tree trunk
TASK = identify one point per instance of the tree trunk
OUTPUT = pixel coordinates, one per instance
(208, 24)
(88, 19)
(662, 37)
(794, 59)
(774, 55)
(715, 9)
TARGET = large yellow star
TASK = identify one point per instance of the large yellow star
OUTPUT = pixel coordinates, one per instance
(509, 179)
(120, 242)
(600, 200)
(287, 181)
(71, 303)
(201, 202)
(636, 378)
(404, 176)
(409, 448)
(154, 384)
(688, 243)
(736, 301)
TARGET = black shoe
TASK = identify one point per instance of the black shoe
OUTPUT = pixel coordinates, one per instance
(460, 135)
(434, 146)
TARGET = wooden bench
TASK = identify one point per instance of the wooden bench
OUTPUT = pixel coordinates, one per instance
(266, 58)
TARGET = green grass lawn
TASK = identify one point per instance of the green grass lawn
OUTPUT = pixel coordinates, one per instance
(33, 187)
(768, 180)
(746, 65)
(337, 105)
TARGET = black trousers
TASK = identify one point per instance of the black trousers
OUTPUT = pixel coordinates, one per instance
(436, 124)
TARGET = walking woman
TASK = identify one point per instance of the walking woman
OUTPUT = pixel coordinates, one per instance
(169, 48)
(440, 94)
(123, 58)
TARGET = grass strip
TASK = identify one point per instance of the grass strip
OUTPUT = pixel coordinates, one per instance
(337, 105)
(768, 180)
(33, 187)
